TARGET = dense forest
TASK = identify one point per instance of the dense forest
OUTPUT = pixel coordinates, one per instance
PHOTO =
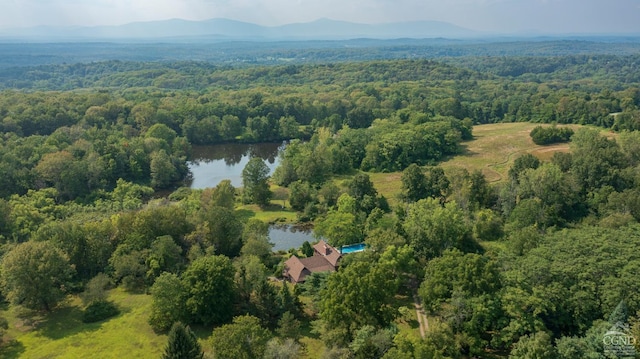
(251, 53)
(539, 265)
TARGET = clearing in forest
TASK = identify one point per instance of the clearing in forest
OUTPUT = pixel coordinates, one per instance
(493, 149)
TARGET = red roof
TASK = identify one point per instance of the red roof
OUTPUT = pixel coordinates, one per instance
(330, 253)
(295, 269)
(325, 258)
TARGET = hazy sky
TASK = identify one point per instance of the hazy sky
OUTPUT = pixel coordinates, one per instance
(557, 16)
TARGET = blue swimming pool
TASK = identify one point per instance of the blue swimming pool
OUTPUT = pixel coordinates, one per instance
(353, 248)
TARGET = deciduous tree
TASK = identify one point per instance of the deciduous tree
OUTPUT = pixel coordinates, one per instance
(414, 184)
(163, 171)
(343, 306)
(534, 346)
(242, 339)
(282, 349)
(254, 179)
(34, 274)
(432, 228)
(210, 290)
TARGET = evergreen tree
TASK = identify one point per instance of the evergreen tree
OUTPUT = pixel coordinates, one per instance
(307, 249)
(289, 302)
(289, 327)
(182, 344)
(620, 314)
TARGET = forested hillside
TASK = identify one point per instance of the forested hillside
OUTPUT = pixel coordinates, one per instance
(251, 53)
(93, 206)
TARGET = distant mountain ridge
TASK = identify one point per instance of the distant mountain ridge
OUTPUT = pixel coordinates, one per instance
(221, 28)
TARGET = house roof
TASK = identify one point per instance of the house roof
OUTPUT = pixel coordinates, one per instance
(317, 264)
(325, 258)
(330, 253)
(295, 269)
(299, 268)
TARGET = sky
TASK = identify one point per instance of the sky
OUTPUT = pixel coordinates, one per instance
(502, 16)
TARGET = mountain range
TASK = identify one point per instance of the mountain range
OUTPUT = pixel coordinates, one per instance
(226, 29)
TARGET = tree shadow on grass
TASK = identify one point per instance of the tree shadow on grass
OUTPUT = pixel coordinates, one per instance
(463, 151)
(275, 207)
(12, 349)
(63, 322)
(245, 213)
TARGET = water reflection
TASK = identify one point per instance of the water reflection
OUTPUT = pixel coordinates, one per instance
(285, 237)
(212, 164)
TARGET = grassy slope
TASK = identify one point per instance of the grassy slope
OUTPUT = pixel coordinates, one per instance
(496, 146)
(492, 151)
(61, 334)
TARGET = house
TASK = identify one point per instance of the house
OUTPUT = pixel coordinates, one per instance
(325, 258)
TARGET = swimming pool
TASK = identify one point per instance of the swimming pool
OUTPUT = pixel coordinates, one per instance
(353, 248)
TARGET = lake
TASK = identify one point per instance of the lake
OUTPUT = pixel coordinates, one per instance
(212, 164)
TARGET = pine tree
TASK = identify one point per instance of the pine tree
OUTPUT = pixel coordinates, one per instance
(182, 344)
(620, 314)
(289, 327)
(289, 302)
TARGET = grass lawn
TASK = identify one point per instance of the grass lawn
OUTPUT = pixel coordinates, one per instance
(278, 211)
(61, 333)
(388, 184)
(272, 214)
(313, 347)
(492, 151)
(496, 146)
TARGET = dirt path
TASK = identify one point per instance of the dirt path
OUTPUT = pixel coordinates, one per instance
(491, 166)
(422, 318)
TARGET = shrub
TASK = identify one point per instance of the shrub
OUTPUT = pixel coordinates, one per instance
(98, 311)
(548, 135)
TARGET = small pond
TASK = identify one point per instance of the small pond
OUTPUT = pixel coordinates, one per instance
(212, 164)
(285, 237)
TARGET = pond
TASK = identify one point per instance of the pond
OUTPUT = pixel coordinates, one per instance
(212, 164)
(285, 237)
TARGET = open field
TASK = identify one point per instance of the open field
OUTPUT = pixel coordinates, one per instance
(272, 214)
(492, 151)
(61, 333)
(496, 146)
